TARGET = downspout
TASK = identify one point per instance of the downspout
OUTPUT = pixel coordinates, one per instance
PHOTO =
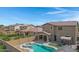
(76, 30)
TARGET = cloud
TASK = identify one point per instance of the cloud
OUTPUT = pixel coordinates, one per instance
(56, 12)
(66, 15)
(60, 11)
(75, 18)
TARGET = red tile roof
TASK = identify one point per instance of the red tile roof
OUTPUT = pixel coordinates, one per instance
(64, 23)
(35, 29)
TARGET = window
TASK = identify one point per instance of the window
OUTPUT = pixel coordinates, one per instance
(51, 27)
(78, 29)
(59, 28)
(40, 37)
(77, 38)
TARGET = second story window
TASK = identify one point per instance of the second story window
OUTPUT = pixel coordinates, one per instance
(59, 28)
(78, 29)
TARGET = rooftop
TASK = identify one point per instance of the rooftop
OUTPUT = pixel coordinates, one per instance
(34, 29)
(64, 23)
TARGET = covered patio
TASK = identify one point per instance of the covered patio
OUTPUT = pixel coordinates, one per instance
(42, 36)
(66, 40)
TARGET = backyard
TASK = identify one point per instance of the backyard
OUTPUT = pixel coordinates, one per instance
(13, 40)
(12, 37)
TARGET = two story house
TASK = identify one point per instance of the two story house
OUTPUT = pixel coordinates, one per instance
(65, 32)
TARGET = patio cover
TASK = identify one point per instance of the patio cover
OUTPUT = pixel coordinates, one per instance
(65, 38)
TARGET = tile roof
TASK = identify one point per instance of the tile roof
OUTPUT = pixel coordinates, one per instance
(34, 29)
(64, 23)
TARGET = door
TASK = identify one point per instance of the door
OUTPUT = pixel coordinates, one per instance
(55, 38)
(45, 38)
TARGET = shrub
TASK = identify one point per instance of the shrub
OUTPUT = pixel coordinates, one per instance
(2, 47)
(6, 38)
(17, 37)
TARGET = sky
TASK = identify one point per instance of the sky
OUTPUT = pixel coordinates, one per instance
(37, 15)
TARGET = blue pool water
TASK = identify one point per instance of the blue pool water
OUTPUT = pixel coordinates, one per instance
(42, 48)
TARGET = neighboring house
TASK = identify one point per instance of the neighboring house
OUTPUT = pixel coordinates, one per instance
(37, 32)
(9, 30)
(65, 32)
(21, 27)
(2, 31)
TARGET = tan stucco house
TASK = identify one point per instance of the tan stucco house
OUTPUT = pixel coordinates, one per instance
(65, 32)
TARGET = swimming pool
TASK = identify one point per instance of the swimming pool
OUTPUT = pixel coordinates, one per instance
(42, 48)
(39, 48)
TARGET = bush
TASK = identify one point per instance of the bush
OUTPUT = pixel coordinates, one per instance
(17, 37)
(6, 38)
(2, 47)
(13, 35)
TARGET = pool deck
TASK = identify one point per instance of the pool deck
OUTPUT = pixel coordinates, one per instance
(66, 48)
(46, 44)
(16, 44)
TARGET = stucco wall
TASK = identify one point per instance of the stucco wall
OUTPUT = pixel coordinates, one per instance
(66, 30)
(47, 28)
